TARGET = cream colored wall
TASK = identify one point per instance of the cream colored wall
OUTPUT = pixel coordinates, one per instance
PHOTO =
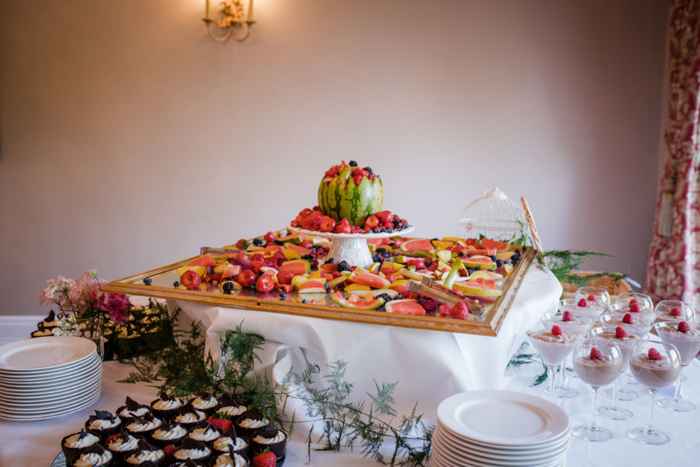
(129, 138)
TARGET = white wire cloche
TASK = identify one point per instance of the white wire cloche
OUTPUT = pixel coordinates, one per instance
(494, 216)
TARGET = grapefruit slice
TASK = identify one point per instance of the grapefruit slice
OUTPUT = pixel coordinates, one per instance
(296, 266)
(420, 244)
(354, 302)
(204, 260)
(405, 307)
(372, 280)
(476, 289)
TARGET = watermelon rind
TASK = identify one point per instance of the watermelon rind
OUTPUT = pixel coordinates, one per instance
(340, 198)
(341, 301)
(471, 289)
(410, 305)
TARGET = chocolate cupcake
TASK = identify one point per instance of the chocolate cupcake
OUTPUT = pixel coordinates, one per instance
(49, 322)
(105, 423)
(205, 402)
(229, 406)
(168, 434)
(146, 455)
(187, 463)
(206, 433)
(42, 332)
(250, 421)
(122, 446)
(132, 410)
(193, 450)
(166, 406)
(144, 427)
(189, 417)
(95, 456)
(77, 443)
(271, 438)
(230, 460)
(229, 442)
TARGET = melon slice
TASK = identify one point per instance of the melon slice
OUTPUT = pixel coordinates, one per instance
(313, 286)
(421, 244)
(362, 287)
(475, 289)
(405, 307)
(496, 245)
(483, 262)
(400, 286)
(204, 260)
(297, 266)
(199, 270)
(372, 280)
(302, 251)
(355, 302)
(375, 293)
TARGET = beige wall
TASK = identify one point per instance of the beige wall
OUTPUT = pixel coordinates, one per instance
(129, 138)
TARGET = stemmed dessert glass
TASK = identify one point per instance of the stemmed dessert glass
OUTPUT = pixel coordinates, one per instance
(674, 311)
(597, 362)
(637, 327)
(577, 325)
(656, 365)
(686, 338)
(593, 295)
(553, 349)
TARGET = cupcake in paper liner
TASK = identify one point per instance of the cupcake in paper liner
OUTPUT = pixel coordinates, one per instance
(146, 455)
(95, 456)
(168, 434)
(193, 450)
(230, 459)
(250, 421)
(105, 423)
(122, 446)
(77, 443)
(145, 426)
(206, 433)
(166, 406)
(230, 441)
(272, 438)
(205, 402)
(132, 410)
(230, 406)
(189, 417)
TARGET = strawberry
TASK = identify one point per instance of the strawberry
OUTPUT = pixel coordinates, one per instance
(591, 298)
(242, 244)
(169, 450)
(627, 319)
(683, 326)
(371, 222)
(284, 277)
(343, 226)
(445, 310)
(568, 316)
(676, 312)
(620, 333)
(110, 438)
(460, 311)
(654, 354)
(327, 224)
(357, 179)
(634, 307)
(269, 237)
(384, 216)
(221, 420)
(266, 459)
(582, 303)
(596, 354)
(556, 330)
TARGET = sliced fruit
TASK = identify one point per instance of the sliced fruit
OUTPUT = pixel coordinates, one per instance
(199, 270)
(483, 262)
(339, 280)
(500, 246)
(421, 244)
(453, 274)
(298, 280)
(204, 260)
(362, 287)
(302, 251)
(444, 255)
(475, 289)
(356, 303)
(231, 271)
(312, 286)
(374, 293)
(405, 307)
(291, 253)
(297, 266)
(190, 279)
(507, 269)
(495, 275)
(293, 238)
(480, 252)
(372, 280)
(444, 244)
(504, 255)
(400, 286)
(480, 275)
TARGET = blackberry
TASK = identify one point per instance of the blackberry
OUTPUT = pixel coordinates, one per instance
(147, 280)
(380, 308)
(308, 257)
(385, 296)
(517, 251)
(279, 242)
(258, 242)
(227, 287)
(368, 170)
(493, 258)
(398, 297)
(343, 266)
(499, 263)
(381, 250)
(470, 271)
(377, 259)
(330, 261)
(176, 284)
(352, 164)
(428, 263)
(397, 223)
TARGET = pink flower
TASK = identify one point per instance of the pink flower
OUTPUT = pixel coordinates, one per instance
(117, 305)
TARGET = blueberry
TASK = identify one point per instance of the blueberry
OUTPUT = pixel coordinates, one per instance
(397, 223)
(308, 257)
(377, 259)
(352, 164)
(227, 287)
(176, 284)
(517, 251)
(381, 250)
(470, 271)
(499, 263)
(258, 242)
(493, 258)
(428, 263)
(368, 170)
(303, 301)
(385, 296)
(330, 261)
(398, 297)
(147, 280)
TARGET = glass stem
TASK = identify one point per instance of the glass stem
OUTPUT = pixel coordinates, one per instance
(652, 397)
(553, 371)
(562, 368)
(594, 418)
(615, 388)
(678, 396)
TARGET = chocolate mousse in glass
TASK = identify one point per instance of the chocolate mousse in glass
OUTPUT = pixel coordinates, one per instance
(635, 303)
(553, 345)
(632, 324)
(656, 365)
(575, 324)
(582, 307)
(686, 338)
(674, 311)
(597, 362)
(595, 298)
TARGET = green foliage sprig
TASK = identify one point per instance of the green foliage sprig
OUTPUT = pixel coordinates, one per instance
(563, 263)
(521, 358)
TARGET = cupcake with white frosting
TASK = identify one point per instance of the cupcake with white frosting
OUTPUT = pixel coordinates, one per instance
(95, 456)
(146, 455)
(205, 402)
(229, 406)
(272, 438)
(193, 450)
(105, 423)
(122, 446)
(250, 421)
(230, 460)
(189, 417)
(229, 442)
(168, 434)
(206, 433)
(49, 322)
(77, 443)
(132, 410)
(145, 426)
(166, 406)
(187, 463)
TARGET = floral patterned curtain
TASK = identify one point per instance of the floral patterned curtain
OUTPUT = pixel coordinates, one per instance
(674, 259)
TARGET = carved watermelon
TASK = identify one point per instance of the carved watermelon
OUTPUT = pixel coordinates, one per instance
(339, 197)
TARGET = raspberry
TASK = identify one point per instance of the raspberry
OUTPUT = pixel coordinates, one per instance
(676, 312)
(634, 300)
(596, 354)
(568, 316)
(683, 326)
(620, 332)
(627, 319)
(654, 354)
(460, 311)
(591, 298)
(634, 307)
(556, 330)
(582, 303)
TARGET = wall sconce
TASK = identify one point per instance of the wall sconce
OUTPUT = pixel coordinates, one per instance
(232, 20)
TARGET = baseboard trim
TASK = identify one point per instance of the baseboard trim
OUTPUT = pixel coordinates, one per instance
(17, 327)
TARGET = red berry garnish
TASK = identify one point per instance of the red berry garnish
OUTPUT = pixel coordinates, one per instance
(582, 303)
(568, 316)
(111, 438)
(266, 459)
(591, 298)
(245, 278)
(676, 312)
(620, 332)
(265, 284)
(654, 354)
(190, 279)
(371, 222)
(683, 326)
(327, 224)
(556, 330)
(460, 311)
(285, 277)
(596, 354)
(169, 450)
(634, 307)
(269, 237)
(627, 319)
(634, 300)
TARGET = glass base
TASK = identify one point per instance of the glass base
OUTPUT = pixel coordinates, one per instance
(676, 405)
(614, 413)
(563, 392)
(644, 436)
(631, 381)
(683, 378)
(594, 434)
(624, 395)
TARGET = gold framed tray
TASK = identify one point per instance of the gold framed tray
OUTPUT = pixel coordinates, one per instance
(487, 322)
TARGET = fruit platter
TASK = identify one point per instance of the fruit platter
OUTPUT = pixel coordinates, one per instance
(350, 259)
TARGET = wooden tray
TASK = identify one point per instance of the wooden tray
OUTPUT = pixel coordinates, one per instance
(319, 305)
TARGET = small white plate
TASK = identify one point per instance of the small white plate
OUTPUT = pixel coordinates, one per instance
(48, 415)
(450, 460)
(57, 375)
(524, 449)
(43, 353)
(503, 418)
(48, 396)
(55, 388)
(59, 406)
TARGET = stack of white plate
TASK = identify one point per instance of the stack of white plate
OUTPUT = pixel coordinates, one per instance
(48, 376)
(500, 428)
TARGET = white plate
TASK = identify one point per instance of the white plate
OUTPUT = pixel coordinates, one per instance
(59, 404)
(44, 353)
(440, 458)
(524, 449)
(47, 415)
(504, 418)
(59, 374)
(47, 397)
(51, 387)
(476, 457)
(315, 233)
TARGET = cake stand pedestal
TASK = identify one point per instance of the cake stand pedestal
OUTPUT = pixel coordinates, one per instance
(351, 248)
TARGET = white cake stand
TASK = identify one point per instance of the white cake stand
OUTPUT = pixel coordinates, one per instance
(351, 248)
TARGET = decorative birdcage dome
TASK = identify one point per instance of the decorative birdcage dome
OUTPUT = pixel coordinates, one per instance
(494, 216)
